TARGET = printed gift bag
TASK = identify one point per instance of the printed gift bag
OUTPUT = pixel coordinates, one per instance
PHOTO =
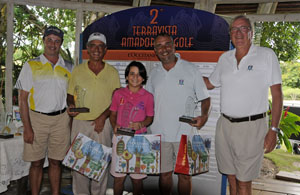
(193, 154)
(138, 154)
(88, 157)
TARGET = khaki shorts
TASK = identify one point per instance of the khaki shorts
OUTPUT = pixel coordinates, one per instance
(240, 147)
(113, 164)
(169, 151)
(51, 137)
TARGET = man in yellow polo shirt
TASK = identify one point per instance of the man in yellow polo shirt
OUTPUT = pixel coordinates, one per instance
(91, 85)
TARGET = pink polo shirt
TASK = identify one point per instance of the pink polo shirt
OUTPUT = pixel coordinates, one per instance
(132, 107)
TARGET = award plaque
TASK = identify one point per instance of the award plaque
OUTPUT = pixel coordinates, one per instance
(127, 116)
(6, 131)
(81, 110)
(125, 131)
(79, 97)
(190, 107)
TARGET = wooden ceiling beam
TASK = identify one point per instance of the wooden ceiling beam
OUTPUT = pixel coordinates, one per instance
(140, 3)
(266, 8)
(95, 7)
(172, 3)
(293, 17)
(206, 5)
(236, 9)
(249, 1)
(239, 1)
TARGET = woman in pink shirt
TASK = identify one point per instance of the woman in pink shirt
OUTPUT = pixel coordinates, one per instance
(132, 107)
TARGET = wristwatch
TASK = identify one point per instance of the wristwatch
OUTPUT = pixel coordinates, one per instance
(276, 129)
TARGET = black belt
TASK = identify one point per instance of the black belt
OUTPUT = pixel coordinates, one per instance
(52, 113)
(247, 118)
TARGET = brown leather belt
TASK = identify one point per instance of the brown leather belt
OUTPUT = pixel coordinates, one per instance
(247, 118)
(52, 113)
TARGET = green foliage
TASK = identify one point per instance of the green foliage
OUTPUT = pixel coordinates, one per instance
(291, 93)
(283, 160)
(2, 37)
(283, 38)
(288, 127)
(290, 74)
(30, 23)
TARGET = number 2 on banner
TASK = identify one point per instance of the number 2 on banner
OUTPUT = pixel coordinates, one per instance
(155, 12)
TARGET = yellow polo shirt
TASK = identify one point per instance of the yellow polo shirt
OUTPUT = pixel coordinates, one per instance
(95, 91)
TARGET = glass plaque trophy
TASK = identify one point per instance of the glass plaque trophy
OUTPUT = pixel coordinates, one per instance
(79, 96)
(190, 107)
(6, 131)
(127, 116)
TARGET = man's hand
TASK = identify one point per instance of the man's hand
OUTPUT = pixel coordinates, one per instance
(99, 123)
(270, 141)
(28, 135)
(116, 128)
(136, 125)
(72, 114)
(201, 120)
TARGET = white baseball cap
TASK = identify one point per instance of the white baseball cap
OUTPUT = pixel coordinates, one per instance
(97, 36)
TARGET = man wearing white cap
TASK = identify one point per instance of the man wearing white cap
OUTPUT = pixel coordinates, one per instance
(95, 81)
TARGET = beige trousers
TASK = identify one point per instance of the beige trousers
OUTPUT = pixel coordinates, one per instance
(82, 185)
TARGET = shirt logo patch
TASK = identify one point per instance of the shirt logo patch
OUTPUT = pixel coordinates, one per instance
(181, 82)
(250, 67)
(141, 105)
(122, 101)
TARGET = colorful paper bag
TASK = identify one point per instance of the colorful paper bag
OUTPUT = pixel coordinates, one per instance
(193, 155)
(138, 154)
(88, 157)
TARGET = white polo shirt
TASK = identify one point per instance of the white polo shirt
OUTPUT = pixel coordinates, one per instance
(244, 88)
(46, 83)
(171, 89)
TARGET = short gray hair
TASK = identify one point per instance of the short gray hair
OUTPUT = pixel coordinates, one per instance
(243, 17)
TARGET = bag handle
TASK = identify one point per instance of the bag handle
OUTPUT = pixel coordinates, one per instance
(194, 131)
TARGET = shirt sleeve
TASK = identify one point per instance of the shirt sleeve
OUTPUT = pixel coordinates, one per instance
(114, 102)
(72, 83)
(150, 105)
(25, 81)
(215, 77)
(275, 77)
(149, 86)
(116, 80)
(200, 87)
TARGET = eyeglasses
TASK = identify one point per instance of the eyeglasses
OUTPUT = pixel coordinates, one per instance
(243, 29)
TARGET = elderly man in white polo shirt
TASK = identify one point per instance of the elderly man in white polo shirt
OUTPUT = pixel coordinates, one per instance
(172, 83)
(245, 75)
(42, 86)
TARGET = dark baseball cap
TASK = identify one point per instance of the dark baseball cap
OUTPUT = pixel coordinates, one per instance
(55, 31)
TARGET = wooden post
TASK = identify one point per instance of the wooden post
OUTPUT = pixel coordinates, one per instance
(9, 57)
(79, 17)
